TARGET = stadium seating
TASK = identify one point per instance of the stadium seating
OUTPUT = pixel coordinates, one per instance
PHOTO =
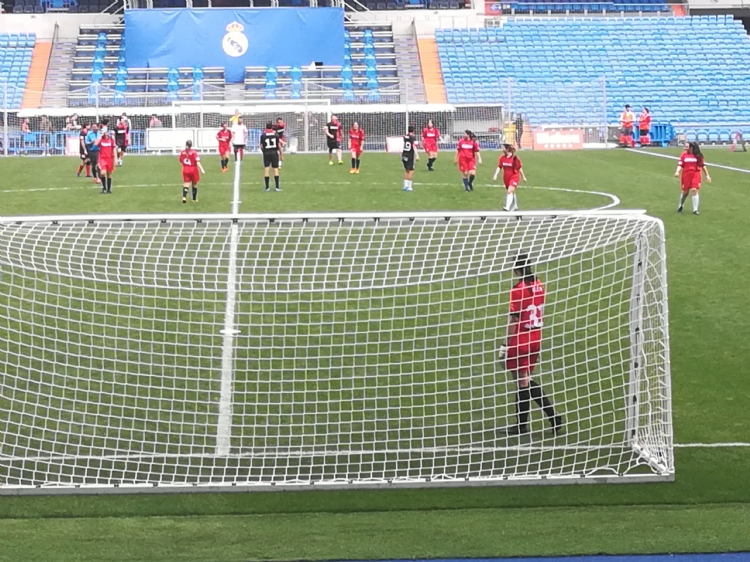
(100, 76)
(583, 6)
(367, 73)
(73, 6)
(687, 70)
(16, 50)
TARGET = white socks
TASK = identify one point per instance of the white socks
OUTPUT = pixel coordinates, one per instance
(407, 185)
(696, 200)
(511, 201)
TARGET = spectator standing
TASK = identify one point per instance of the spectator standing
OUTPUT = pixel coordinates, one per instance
(46, 130)
(71, 123)
(25, 134)
(155, 122)
(644, 127)
(627, 120)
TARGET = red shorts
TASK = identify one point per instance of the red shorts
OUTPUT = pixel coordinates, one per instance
(689, 182)
(430, 146)
(191, 175)
(224, 148)
(357, 150)
(467, 165)
(522, 357)
(107, 166)
(512, 181)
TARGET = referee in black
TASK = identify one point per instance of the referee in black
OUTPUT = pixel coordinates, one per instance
(93, 150)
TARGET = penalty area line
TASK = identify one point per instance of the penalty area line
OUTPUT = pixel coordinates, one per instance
(671, 157)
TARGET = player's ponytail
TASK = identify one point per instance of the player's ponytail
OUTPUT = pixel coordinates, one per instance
(695, 150)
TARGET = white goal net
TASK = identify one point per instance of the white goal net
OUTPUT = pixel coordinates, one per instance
(249, 351)
(305, 121)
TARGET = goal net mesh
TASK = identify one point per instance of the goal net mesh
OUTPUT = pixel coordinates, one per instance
(305, 122)
(365, 350)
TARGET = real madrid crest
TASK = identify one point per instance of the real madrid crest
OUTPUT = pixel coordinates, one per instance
(234, 42)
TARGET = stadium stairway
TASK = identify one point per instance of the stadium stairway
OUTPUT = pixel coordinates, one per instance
(58, 74)
(32, 97)
(409, 70)
(431, 72)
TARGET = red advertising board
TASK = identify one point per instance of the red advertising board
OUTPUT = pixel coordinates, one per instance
(558, 139)
(495, 8)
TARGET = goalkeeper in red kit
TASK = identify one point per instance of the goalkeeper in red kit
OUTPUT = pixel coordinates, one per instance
(522, 347)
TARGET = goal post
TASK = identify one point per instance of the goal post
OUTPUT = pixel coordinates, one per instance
(363, 351)
(305, 120)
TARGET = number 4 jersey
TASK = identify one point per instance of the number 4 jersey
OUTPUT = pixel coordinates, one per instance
(527, 301)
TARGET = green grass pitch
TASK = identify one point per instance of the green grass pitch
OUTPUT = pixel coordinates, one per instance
(707, 508)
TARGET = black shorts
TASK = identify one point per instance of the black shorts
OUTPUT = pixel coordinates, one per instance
(408, 162)
(333, 144)
(84, 156)
(644, 132)
(122, 144)
(627, 131)
(270, 159)
(238, 146)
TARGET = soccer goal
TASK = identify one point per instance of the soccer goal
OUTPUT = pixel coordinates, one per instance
(182, 352)
(306, 119)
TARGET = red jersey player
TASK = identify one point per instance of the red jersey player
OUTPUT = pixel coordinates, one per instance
(430, 138)
(191, 165)
(467, 156)
(224, 136)
(689, 170)
(107, 147)
(356, 144)
(512, 169)
(280, 129)
(523, 344)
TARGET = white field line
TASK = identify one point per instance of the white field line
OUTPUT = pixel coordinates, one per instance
(670, 157)
(709, 445)
(613, 199)
(224, 423)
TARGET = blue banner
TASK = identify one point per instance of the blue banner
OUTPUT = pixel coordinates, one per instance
(234, 39)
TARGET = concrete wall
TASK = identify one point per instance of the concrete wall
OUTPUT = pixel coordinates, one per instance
(426, 21)
(44, 24)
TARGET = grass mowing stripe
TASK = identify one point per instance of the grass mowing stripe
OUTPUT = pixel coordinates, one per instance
(431, 534)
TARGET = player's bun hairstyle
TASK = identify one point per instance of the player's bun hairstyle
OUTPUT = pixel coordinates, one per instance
(189, 144)
(411, 128)
(646, 109)
(269, 125)
(510, 148)
(523, 264)
(627, 106)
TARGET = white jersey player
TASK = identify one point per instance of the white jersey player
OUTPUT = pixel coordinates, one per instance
(239, 138)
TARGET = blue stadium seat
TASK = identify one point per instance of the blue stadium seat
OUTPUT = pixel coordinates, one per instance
(563, 59)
